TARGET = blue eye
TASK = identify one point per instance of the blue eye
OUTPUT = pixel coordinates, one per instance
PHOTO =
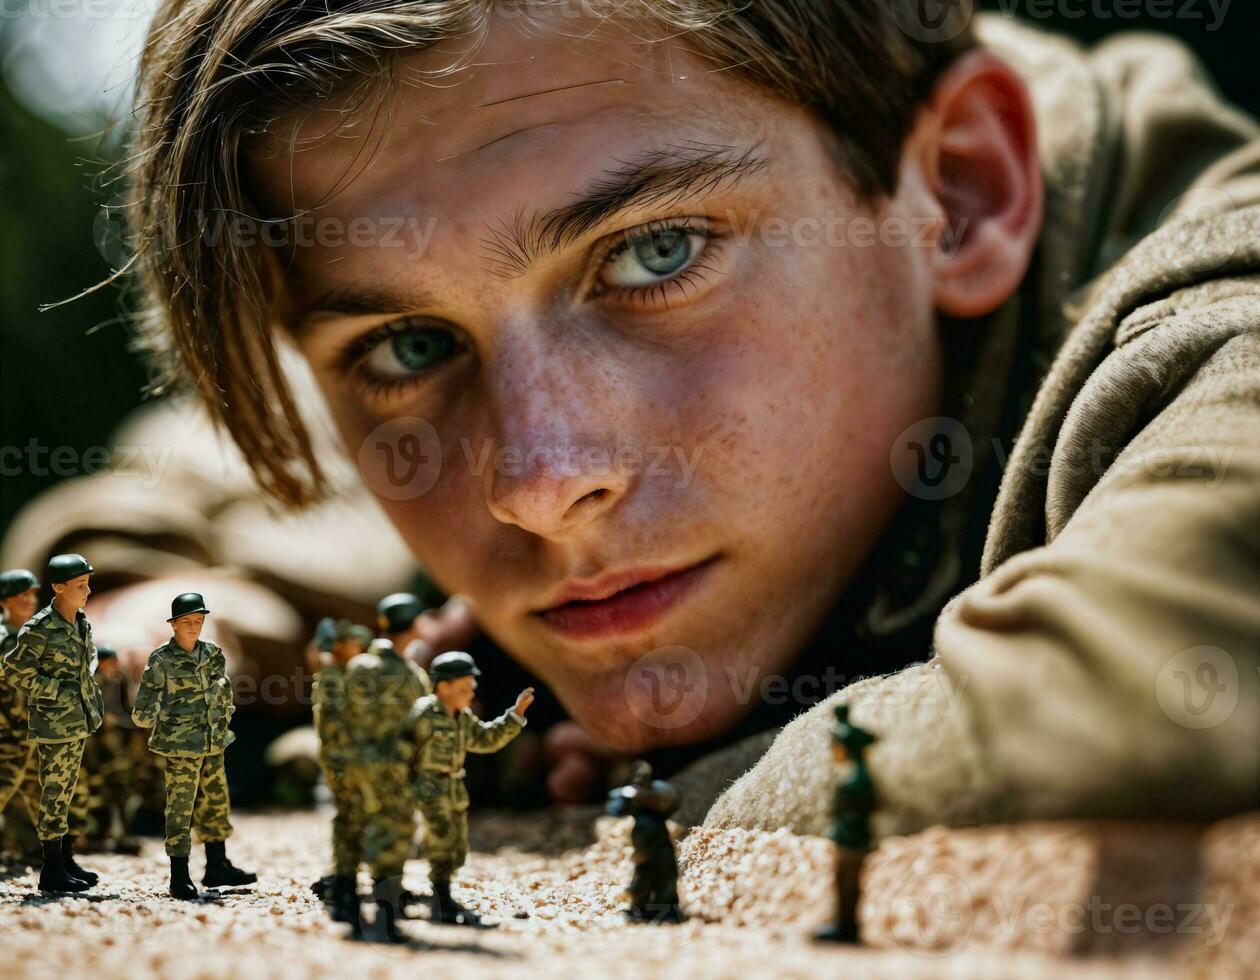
(651, 257)
(409, 351)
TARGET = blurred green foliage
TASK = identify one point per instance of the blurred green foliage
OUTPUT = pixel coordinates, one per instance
(62, 383)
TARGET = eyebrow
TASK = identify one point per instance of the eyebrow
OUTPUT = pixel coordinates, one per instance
(658, 178)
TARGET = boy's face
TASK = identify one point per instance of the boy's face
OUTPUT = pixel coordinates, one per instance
(707, 383)
(21, 607)
(75, 592)
(187, 629)
(457, 694)
(346, 650)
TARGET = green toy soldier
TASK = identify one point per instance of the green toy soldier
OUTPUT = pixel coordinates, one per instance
(19, 598)
(441, 729)
(107, 770)
(381, 686)
(654, 888)
(54, 666)
(853, 804)
(339, 643)
(186, 698)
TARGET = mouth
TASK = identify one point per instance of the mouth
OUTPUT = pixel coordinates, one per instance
(626, 602)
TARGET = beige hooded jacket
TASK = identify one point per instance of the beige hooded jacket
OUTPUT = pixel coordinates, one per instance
(1108, 661)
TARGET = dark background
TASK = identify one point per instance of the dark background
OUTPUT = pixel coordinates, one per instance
(67, 375)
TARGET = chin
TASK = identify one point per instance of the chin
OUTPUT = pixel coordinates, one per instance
(631, 716)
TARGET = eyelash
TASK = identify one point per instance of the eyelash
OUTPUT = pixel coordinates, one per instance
(623, 240)
(352, 357)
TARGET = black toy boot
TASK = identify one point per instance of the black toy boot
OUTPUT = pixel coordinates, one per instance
(345, 902)
(448, 911)
(220, 872)
(384, 928)
(182, 886)
(54, 876)
(67, 858)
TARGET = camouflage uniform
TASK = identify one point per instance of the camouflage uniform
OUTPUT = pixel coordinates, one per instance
(17, 755)
(102, 801)
(186, 698)
(381, 686)
(438, 742)
(54, 665)
(336, 755)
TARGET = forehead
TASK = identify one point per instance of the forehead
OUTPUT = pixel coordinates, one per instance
(533, 102)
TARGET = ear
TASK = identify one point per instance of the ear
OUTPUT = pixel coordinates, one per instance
(976, 149)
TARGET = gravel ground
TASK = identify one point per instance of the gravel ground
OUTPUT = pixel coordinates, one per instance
(552, 881)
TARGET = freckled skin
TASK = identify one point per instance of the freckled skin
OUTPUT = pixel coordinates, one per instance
(790, 368)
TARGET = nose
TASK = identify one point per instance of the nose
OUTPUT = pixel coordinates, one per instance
(555, 470)
(555, 489)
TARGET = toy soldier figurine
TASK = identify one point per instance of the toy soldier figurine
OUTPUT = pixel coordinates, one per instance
(106, 774)
(852, 808)
(18, 601)
(381, 686)
(339, 643)
(186, 698)
(441, 729)
(54, 666)
(653, 891)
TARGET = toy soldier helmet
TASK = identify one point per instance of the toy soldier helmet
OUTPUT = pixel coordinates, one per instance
(325, 634)
(451, 666)
(187, 604)
(16, 581)
(395, 613)
(848, 734)
(106, 653)
(360, 633)
(62, 568)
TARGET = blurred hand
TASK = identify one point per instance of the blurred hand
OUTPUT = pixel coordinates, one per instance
(524, 700)
(576, 763)
(452, 626)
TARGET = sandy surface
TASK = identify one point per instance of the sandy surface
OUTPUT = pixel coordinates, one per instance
(553, 882)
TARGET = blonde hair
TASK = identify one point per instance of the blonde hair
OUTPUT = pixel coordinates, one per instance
(214, 71)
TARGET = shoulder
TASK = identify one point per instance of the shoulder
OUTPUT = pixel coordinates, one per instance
(363, 662)
(424, 707)
(40, 623)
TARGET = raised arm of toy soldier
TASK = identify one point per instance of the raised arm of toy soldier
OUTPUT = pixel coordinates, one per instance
(22, 666)
(490, 736)
(1113, 672)
(149, 695)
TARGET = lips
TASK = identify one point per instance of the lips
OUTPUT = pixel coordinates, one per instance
(622, 603)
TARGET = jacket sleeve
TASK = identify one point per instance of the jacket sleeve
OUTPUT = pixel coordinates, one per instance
(490, 736)
(22, 665)
(149, 696)
(1112, 672)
